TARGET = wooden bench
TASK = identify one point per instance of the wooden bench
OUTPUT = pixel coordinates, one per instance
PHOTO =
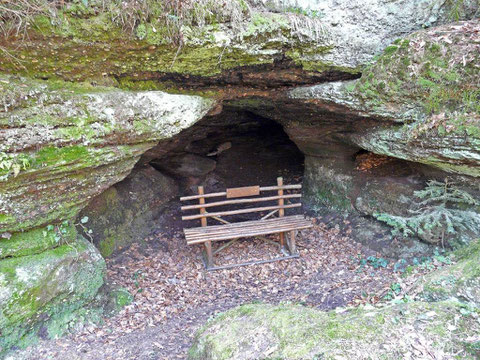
(282, 225)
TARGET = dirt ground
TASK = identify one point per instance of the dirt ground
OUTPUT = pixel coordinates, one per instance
(174, 295)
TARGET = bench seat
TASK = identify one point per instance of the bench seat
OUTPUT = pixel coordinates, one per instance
(246, 229)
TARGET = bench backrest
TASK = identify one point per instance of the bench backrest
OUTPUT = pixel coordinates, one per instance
(241, 196)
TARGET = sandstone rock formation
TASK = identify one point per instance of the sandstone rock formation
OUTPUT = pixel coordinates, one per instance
(61, 145)
(75, 124)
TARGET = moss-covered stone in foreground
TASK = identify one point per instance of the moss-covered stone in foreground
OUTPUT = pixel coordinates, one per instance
(44, 291)
(448, 327)
(295, 332)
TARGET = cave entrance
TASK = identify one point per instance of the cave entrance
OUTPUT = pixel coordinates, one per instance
(232, 149)
(229, 150)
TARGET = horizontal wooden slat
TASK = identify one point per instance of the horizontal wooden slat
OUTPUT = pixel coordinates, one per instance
(240, 201)
(244, 235)
(283, 187)
(194, 235)
(196, 197)
(247, 232)
(240, 225)
(219, 194)
(242, 211)
(250, 233)
(241, 232)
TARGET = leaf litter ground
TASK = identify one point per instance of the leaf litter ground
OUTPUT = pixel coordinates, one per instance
(174, 295)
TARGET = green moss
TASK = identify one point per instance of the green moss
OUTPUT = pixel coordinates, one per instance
(107, 246)
(295, 332)
(390, 50)
(6, 218)
(53, 155)
(261, 24)
(443, 93)
(50, 285)
(91, 47)
(121, 297)
(37, 240)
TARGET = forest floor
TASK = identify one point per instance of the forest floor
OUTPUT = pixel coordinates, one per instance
(174, 295)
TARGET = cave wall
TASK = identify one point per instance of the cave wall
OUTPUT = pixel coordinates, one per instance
(128, 211)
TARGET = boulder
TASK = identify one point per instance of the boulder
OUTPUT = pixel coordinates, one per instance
(41, 293)
(62, 144)
(295, 332)
(422, 91)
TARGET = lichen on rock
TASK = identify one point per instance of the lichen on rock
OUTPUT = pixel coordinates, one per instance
(295, 332)
(78, 144)
(61, 144)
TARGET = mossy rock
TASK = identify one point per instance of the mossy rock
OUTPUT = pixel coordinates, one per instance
(85, 141)
(121, 297)
(432, 75)
(296, 332)
(37, 240)
(461, 280)
(128, 211)
(42, 292)
(444, 321)
(93, 48)
(421, 96)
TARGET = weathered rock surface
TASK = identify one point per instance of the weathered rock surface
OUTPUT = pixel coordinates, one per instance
(61, 145)
(323, 38)
(126, 212)
(446, 328)
(295, 332)
(40, 293)
(71, 147)
(425, 89)
(361, 29)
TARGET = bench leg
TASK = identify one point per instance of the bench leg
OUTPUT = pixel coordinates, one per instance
(209, 253)
(292, 246)
(282, 240)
